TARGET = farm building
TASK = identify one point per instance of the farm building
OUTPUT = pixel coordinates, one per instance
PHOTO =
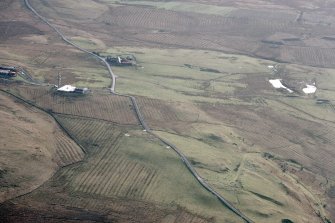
(7, 73)
(72, 89)
(14, 69)
(81, 90)
(121, 60)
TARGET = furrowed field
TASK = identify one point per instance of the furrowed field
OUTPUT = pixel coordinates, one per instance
(102, 106)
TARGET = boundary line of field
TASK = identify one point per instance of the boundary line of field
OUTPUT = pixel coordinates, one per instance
(143, 123)
(97, 119)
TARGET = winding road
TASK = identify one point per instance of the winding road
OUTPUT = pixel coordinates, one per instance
(74, 45)
(142, 121)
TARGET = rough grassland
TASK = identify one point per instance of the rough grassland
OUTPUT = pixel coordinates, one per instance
(32, 148)
(253, 134)
(247, 181)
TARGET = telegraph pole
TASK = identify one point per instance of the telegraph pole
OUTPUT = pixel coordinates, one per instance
(59, 79)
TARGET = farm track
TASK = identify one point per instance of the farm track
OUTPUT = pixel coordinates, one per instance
(143, 123)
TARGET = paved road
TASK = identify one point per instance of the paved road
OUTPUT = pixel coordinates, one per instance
(144, 124)
(189, 165)
(75, 45)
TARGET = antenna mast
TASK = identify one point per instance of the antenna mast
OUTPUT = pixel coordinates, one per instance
(59, 79)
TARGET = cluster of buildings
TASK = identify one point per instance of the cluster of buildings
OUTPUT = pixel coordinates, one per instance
(7, 72)
(121, 60)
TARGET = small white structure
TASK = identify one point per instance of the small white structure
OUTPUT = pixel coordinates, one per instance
(72, 89)
(276, 83)
(309, 89)
(67, 88)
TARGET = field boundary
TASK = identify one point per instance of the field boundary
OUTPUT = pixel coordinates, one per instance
(96, 119)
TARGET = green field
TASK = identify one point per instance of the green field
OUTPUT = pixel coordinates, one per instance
(172, 74)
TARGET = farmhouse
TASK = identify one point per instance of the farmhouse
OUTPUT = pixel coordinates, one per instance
(121, 60)
(72, 89)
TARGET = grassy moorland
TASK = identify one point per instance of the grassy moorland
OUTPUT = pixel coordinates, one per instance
(268, 151)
